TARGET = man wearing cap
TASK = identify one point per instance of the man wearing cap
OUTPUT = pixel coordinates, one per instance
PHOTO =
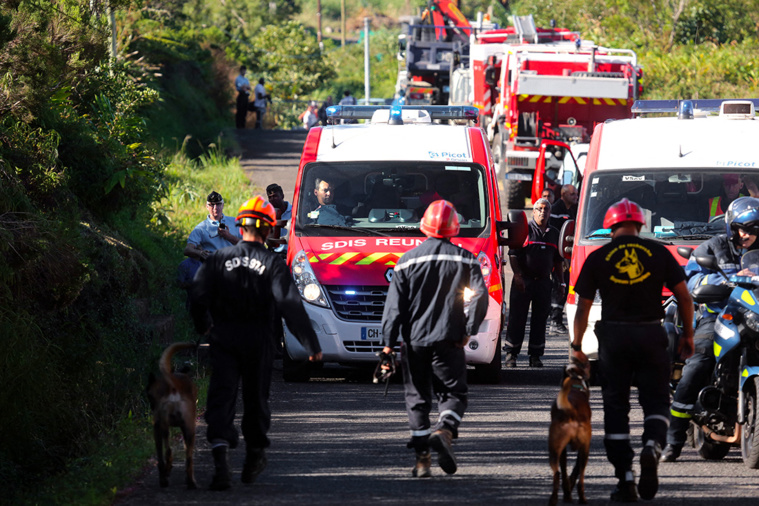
(235, 294)
(215, 232)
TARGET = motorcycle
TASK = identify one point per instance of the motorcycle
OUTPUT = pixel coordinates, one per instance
(727, 410)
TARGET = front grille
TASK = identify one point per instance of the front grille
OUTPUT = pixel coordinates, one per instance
(357, 303)
(364, 346)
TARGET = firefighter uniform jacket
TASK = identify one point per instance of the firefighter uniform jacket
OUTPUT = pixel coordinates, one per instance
(238, 288)
(425, 302)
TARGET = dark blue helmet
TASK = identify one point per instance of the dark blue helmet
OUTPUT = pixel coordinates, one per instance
(742, 212)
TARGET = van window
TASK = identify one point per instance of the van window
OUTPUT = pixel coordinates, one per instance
(388, 198)
(684, 205)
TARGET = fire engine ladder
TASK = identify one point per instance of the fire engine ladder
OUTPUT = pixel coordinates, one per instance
(525, 28)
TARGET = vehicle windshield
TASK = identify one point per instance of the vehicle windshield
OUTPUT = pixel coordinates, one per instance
(682, 206)
(388, 198)
(751, 261)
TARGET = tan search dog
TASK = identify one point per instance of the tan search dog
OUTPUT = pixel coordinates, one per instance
(173, 398)
(570, 426)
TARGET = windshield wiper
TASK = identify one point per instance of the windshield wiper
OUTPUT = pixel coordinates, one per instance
(357, 230)
(595, 235)
(696, 236)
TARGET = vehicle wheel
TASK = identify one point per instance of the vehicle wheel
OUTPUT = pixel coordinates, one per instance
(491, 373)
(514, 194)
(295, 371)
(499, 156)
(749, 439)
(707, 449)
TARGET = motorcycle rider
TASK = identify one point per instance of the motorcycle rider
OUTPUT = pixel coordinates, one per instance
(742, 224)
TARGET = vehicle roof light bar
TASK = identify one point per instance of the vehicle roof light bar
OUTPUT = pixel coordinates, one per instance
(442, 112)
(673, 106)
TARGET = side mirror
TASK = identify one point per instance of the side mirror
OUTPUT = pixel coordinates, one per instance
(711, 263)
(516, 226)
(705, 294)
(567, 239)
(685, 251)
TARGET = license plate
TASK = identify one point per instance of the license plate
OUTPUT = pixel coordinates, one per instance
(516, 176)
(371, 333)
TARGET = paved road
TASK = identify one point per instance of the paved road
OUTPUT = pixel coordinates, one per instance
(337, 440)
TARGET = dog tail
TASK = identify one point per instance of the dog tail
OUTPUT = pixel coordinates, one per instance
(164, 365)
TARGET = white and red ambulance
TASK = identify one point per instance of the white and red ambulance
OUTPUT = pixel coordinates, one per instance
(382, 174)
(675, 167)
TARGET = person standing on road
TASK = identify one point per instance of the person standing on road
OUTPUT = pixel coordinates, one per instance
(261, 97)
(242, 85)
(742, 223)
(234, 296)
(426, 311)
(630, 272)
(532, 266)
(283, 208)
(348, 99)
(562, 210)
(215, 232)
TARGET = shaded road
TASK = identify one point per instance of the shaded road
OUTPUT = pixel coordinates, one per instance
(337, 440)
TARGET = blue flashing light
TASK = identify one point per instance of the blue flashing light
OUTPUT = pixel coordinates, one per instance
(395, 116)
(685, 111)
(350, 292)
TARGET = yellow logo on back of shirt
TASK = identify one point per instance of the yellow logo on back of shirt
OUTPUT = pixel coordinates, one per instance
(631, 267)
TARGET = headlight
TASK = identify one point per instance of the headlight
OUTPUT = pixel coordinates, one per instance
(752, 320)
(485, 265)
(305, 280)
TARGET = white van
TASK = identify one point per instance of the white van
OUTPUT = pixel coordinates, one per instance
(675, 168)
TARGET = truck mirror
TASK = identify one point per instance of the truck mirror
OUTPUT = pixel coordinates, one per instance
(685, 251)
(567, 239)
(516, 227)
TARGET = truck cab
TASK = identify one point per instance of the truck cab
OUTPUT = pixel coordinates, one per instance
(683, 169)
(381, 176)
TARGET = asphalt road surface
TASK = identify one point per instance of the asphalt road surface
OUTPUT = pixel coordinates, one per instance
(337, 440)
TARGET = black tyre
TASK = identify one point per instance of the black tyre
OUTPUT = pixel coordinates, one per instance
(707, 449)
(750, 438)
(295, 371)
(514, 194)
(491, 373)
(499, 155)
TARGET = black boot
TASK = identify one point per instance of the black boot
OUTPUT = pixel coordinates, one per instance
(221, 479)
(255, 463)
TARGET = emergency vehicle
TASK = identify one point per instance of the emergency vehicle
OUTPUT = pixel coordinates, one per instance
(383, 174)
(675, 168)
(534, 85)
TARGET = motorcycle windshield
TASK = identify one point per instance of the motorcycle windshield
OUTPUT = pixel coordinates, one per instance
(751, 261)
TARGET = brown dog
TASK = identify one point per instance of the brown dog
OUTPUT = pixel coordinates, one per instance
(570, 426)
(173, 399)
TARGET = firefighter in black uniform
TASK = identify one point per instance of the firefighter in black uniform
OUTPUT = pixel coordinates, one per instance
(425, 311)
(630, 272)
(532, 266)
(234, 295)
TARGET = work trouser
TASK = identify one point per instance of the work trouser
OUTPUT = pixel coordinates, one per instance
(439, 369)
(628, 350)
(234, 358)
(242, 110)
(537, 292)
(260, 112)
(559, 299)
(697, 373)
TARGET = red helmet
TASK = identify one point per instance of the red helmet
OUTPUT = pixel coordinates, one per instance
(622, 211)
(440, 220)
(256, 209)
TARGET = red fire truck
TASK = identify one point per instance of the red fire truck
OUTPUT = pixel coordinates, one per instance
(534, 85)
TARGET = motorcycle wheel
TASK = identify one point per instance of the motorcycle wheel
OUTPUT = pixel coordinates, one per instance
(707, 449)
(749, 439)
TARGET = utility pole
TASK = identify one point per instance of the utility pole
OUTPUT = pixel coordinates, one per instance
(366, 61)
(319, 24)
(342, 23)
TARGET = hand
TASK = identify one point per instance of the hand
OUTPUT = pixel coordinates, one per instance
(315, 358)
(204, 254)
(685, 346)
(579, 355)
(746, 272)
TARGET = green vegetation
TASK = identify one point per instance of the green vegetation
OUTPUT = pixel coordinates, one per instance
(105, 161)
